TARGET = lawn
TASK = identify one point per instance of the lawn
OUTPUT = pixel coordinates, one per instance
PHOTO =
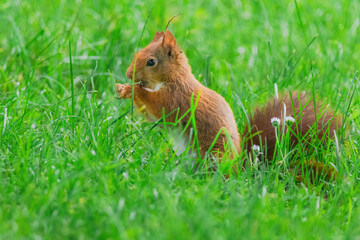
(77, 163)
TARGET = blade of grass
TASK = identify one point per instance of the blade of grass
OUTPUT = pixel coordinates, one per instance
(72, 88)
(300, 20)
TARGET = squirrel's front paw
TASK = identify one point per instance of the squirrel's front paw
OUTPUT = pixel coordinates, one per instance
(123, 90)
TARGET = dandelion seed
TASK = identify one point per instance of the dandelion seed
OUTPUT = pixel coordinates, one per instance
(289, 119)
(275, 122)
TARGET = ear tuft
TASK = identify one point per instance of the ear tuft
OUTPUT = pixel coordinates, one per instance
(169, 40)
(158, 36)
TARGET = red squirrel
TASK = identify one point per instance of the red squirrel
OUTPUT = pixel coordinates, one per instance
(165, 81)
(165, 84)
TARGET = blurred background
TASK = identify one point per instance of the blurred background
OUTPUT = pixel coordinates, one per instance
(252, 44)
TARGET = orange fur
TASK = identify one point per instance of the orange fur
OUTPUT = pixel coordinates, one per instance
(173, 71)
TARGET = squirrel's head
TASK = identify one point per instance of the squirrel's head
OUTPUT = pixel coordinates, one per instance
(157, 62)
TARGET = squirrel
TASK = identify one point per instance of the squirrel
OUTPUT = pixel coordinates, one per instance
(166, 85)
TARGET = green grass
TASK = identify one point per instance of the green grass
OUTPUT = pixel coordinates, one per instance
(75, 164)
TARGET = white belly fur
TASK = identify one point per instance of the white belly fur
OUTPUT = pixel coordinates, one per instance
(181, 143)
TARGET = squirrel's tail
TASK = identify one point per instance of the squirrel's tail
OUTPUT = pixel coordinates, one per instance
(309, 116)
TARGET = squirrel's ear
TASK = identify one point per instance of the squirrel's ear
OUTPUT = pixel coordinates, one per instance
(169, 42)
(158, 35)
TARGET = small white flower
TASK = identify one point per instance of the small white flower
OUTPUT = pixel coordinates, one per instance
(241, 50)
(275, 122)
(155, 192)
(256, 149)
(264, 191)
(121, 203)
(93, 152)
(132, 215)
(125, 175)
(289, 119)
(33, 126)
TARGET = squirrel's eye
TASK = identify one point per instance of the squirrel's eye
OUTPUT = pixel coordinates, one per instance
(151, 62)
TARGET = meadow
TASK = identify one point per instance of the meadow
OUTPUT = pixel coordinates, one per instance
(77, 163)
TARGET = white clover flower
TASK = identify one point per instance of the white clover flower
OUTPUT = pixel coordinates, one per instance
(289, 119)
(275, 121)
(256, 149)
